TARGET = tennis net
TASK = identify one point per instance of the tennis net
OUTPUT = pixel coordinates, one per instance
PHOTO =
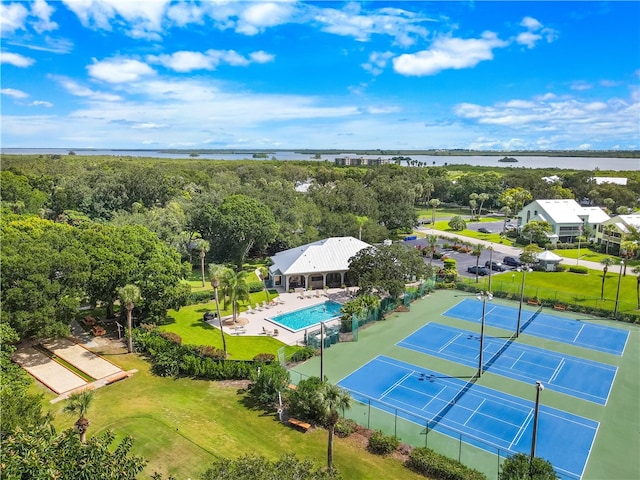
(533, 317)
(435, 420)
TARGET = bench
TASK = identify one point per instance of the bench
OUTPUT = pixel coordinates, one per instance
(562, 308)
(117, 377)
(300, 424)
(533, 301)
(98, 331)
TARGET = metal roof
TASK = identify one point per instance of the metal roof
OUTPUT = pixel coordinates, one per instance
(328, 255)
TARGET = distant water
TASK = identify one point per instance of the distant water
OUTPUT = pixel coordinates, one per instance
(573, 163)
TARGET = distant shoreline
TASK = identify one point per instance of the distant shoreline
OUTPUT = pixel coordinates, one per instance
(382, 152)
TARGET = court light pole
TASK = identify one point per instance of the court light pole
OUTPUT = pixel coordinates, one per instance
(484, 296)
(615, 311)
(322, 352)
(524, 272)
(539, 388)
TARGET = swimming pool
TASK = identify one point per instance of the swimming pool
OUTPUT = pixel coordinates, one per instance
(308, 316)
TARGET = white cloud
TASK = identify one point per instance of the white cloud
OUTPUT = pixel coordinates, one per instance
(16, 59)
(528, 38)
(535, 32)
(12, 92)
(569, 117)
(262, 57)
(119, 70)
(258, 16)
(182, 14)
(142, 17)
(581, 85)
(74, 88)
(351, 21)
(44, 44)
(12, 17)
(377, 62)
(42, 11)
(41, 103)
(448, 53)
(186, 61)
(531, 23)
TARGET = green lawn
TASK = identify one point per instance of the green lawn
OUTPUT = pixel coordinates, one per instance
(443, 226)
(181, 425)
(567, 287)
(187, 322)
(590, 255)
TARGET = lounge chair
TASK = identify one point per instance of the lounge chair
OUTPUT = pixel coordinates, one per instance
(275, 332)
(266, 332)
(316, 293)
(265, 304)
(250, 309)
(258, 307)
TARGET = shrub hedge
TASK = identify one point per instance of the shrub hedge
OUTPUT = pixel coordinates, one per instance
(382, 444)
(579, 269)
(170, 359)
(431, 464)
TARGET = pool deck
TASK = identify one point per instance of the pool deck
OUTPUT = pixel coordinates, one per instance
(258, 319)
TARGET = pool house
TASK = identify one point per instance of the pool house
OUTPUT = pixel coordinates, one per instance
(315, 265)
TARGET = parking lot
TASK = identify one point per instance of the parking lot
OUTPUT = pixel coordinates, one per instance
(466, 260)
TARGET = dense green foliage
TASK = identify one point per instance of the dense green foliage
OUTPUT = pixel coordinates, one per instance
(19, 407)
(42, 454)
(519, 467)
(250, 467)
(434, 465)
(48, 268)
(386, 269)
(382, 444)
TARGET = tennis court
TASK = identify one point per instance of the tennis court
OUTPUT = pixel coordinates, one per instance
(488, 418)
(552, 327)
(574, 376)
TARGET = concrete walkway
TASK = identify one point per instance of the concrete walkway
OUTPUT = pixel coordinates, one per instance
(258, 321)
(514, 251)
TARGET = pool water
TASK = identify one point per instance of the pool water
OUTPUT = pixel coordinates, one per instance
(308, 316)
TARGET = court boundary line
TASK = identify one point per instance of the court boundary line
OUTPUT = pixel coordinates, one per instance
(412, 417)
(523, 427)
(522, 377)
(550, 321)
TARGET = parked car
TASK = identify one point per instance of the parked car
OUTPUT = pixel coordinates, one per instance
(484, 230)
(495, 266)
(512, 261)
(482, 271)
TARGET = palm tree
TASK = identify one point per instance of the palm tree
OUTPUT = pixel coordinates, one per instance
(202, 246)
(435, 203)
(483, 197)
(360, 221)
(608, 230)
(264, 273)
(332, 399)
(476, 253)
(432, 240)
(507, 211)
(607, 262)
(215, 271)
(236, 288)
(79, 403)
(129, 295)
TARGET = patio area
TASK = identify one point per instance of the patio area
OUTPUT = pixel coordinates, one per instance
(256, 322)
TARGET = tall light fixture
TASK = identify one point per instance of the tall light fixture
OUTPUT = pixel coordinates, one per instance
(524, 271)
(615, 311)
(539, 388)
(484, 296)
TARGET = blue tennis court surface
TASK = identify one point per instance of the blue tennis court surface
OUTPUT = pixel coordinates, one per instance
(574, 376)
(576, 332)
(487, 418)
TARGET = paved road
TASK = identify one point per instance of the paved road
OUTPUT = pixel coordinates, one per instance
(513, 251)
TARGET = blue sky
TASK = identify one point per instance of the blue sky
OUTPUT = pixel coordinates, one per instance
(336, 75)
